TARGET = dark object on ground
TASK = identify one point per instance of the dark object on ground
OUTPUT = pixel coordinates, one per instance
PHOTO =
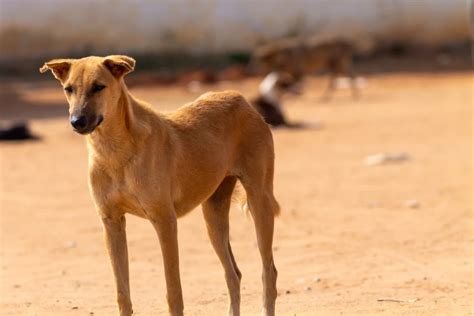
(270, 113)
(16, 131)
(271, 91)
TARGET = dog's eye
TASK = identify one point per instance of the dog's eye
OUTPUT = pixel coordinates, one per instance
(98, 87)
(68, 89)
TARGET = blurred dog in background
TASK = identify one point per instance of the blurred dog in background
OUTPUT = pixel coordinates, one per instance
(300, 57)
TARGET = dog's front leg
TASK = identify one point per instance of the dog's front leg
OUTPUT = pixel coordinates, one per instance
(166, 226)
(116, 243)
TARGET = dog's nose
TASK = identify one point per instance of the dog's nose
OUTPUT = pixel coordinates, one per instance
(79, 122)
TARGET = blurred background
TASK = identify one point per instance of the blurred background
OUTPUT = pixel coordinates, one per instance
(182, 31)
(376, 190)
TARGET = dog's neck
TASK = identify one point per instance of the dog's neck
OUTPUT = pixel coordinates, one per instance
(116, 136)
(268, 90)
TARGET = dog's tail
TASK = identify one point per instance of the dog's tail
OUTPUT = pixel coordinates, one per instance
(240, 198)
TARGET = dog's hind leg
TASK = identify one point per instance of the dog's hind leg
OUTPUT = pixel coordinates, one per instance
(353, 77)
(330, 88)
(354, 86)
(345, 67)
(216, 215)
(263, 208)
(116, 243)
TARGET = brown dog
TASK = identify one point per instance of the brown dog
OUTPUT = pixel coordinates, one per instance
(300, 57)
(160, 167)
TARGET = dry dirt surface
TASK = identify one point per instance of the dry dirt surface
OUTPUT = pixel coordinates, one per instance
(352, 239)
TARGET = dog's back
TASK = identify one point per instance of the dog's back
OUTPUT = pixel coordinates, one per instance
(332, 56)
(299, 57)
(223, 113)
(281, 56)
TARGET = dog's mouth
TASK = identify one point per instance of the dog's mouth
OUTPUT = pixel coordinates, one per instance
(90, 128)
(99, 120)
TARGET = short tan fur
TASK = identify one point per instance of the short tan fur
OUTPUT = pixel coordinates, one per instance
(160, 167)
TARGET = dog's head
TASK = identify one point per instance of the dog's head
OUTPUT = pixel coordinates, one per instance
(288, 83)
(282, 55)
(93, 85)
(268, 59)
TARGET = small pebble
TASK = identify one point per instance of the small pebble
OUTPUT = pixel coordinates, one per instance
(383, 158)
(75, 307)
(287, 292)
(374, 204)
(412, 203)
(71, 244)
(307, 288)
(316, 279)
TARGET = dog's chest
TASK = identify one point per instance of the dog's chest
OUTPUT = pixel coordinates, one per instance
(122, 192)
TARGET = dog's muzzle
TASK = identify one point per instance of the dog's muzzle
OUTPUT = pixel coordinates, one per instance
(83, 124)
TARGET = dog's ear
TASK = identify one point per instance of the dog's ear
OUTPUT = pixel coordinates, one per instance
(59, 67)
(119, 65)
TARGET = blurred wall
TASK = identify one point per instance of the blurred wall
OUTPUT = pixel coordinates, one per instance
(32, 28)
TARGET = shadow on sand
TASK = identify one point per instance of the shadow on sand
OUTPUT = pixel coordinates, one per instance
(300, 126)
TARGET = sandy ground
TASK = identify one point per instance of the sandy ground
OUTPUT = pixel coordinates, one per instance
(346, 236)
